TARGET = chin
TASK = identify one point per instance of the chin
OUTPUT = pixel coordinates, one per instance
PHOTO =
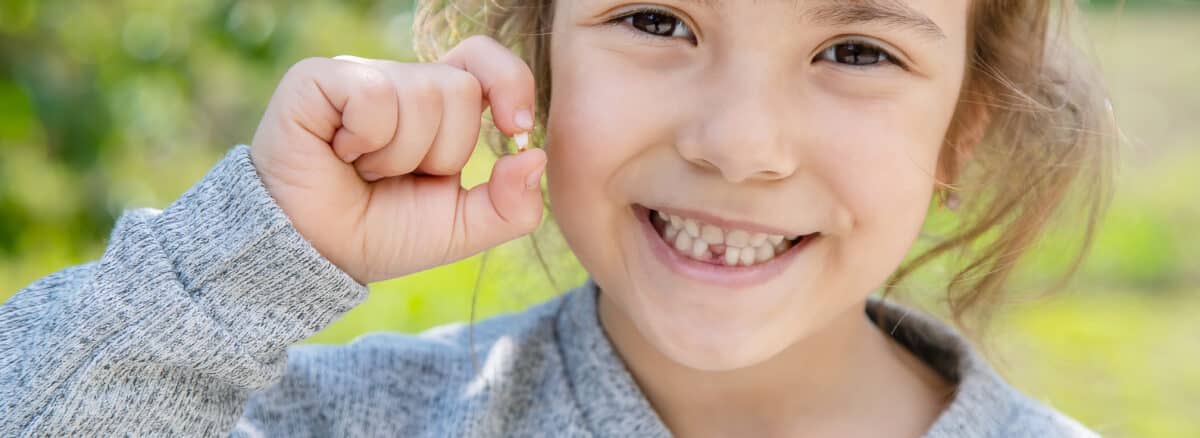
(704, 346)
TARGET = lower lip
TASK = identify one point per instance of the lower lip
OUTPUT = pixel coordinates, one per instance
(721, 275)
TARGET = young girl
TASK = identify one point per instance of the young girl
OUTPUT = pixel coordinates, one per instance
(736, 176)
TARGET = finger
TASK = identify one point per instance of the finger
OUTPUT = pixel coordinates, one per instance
(363, 95)
(458, 134)
(503, 208)
(419, 114)
(506, 81)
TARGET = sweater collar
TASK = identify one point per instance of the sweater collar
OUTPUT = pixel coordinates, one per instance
(613, 404)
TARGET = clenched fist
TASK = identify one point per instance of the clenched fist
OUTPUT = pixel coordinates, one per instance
(365, 156)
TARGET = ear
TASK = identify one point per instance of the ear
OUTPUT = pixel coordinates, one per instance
(967, 130)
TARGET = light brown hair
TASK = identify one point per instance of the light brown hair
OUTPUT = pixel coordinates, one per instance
(1032, 137)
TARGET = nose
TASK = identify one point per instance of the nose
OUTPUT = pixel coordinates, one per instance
(742, 133)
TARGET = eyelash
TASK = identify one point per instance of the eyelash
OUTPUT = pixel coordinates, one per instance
(828, 54)
(621, 20)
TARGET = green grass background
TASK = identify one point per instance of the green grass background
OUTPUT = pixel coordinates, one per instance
(111, 105)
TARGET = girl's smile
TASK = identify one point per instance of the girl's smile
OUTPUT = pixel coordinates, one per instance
(735, 256)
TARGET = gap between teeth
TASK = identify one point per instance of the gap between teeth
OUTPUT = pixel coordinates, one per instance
(734, 247)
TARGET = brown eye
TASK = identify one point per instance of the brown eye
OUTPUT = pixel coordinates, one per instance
(658, 23)
(856, 53)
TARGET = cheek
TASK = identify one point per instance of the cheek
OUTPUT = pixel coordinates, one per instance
(588, 130)
(880, 165)
(592, 139)
(603, 115)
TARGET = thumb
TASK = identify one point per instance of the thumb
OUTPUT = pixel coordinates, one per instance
(505, 207)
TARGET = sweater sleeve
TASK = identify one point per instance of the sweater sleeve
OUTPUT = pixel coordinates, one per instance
(188, 312)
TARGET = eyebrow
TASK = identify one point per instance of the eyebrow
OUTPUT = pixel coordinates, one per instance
(889, 12)
(849, 12)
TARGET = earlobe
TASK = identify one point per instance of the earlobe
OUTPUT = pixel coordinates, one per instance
(969, 128)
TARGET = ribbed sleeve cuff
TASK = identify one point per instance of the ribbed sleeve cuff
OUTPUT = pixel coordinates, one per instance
(239, 257)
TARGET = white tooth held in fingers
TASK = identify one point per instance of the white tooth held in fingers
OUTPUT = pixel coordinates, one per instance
(683, 242)
(522, 140)
(763, 253)
(731, 256)
(712, 234)
(747, 256)
(699, 249)
(737, 238)
(692, 227)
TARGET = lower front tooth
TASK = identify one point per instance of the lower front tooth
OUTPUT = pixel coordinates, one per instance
(763, 253)
(731, 256)
(747, 256)
(683, 242)
(699, 248)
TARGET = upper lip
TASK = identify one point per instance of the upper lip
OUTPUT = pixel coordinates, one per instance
(728, 223)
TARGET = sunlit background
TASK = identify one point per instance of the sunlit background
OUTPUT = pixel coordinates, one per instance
(126, 103)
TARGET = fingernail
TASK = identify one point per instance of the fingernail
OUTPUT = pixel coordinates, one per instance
(350, 157)
(535, 177)
(370, 176)
(524, 119)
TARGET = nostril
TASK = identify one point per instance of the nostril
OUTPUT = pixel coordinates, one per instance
(705, 164)
(772, 174)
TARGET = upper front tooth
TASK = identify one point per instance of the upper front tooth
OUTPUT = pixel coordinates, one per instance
(692, 227)
(757, 239)
(671, 232)
(774, 238)
(663, 216)
(737, 238)
(676, 221)
(712, 234)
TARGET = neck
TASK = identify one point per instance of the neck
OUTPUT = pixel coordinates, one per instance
(847, 371)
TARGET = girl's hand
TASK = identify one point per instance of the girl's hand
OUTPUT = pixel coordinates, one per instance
(365, 157)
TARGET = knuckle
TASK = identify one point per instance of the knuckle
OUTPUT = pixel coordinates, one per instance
(462, 85)
(517, 73)
(306, 66)
(373, 83)
(478, 42)
(422, 89)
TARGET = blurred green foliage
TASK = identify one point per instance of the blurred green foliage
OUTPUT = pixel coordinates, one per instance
(126, 103)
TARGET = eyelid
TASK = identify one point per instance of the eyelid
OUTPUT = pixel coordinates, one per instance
(894, 55)
(620, 18)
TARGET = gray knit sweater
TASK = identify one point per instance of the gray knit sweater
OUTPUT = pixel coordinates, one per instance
(185, 327)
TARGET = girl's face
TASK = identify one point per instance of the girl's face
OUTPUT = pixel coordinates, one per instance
(816, 120)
